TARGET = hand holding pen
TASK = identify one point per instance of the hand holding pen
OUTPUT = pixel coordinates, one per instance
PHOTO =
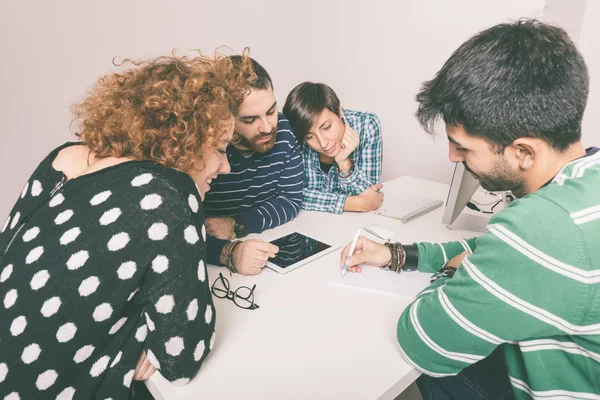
(364, 251)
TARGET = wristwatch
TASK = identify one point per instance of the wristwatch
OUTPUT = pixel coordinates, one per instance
(346, 174)
(240, 229)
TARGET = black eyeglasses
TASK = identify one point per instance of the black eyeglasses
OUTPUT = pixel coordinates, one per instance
(242, 297)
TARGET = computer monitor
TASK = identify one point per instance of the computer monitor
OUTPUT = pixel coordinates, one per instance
(462, 188)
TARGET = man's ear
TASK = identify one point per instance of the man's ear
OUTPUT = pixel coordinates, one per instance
(526, 151)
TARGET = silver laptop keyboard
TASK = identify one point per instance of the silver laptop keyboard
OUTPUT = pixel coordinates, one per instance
(410, 208)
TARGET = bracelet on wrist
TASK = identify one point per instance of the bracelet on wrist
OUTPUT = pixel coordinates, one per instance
(229, 259)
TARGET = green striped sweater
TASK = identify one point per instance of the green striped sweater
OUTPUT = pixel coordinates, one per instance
(531, 285)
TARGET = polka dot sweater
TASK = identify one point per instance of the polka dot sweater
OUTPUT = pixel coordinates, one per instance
(93, 271)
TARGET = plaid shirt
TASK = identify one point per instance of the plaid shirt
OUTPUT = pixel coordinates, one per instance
(328, 191)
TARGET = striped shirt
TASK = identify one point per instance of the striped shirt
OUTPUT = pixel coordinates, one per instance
(326, 191)
(531, 286)
(265, 189)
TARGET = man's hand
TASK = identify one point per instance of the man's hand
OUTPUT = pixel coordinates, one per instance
(456, 261)
(372, 197)
(349, 143)
(221, 228)
(249, 257)
(143, 369)
(367, 252)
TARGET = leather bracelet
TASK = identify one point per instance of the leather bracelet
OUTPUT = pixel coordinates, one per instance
(229, 260)
(398, 257)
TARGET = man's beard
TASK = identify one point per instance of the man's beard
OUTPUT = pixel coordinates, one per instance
(502, 178)
(261, 147)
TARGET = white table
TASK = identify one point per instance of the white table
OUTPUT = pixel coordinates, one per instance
(309, 339)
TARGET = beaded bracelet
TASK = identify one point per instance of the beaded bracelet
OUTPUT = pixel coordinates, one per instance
(398, 257)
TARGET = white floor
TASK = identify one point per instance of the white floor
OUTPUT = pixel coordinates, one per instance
(411, 393)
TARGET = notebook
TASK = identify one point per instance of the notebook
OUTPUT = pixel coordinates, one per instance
(407, 284)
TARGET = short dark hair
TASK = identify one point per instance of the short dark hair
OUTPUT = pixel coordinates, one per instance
(263, 79)
(305, 103)
(522, 79)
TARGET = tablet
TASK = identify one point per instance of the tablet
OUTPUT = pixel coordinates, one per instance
(296, 250)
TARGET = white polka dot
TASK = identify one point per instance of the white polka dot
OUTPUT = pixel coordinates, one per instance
(118, 241)
(3, 372)
(36, 188)
(69, 236)
(165, 304)
(89, 286)
(141, 180)
(204, 233)
(191, 234)
(10, 298)
(126, 270)
(46, 379)
(63, 217)
(34, 255)
(128, 378)
(100, 197)
(110, 216)
(24, 191)
(201, 271)
(102, 312)
(66, 394)
(192, 310)
(118, 325)
(117, 359)
(193, 202)
(141, 333)
(174, 346)
(56, 200)
(212, 341)
(199, 351)
(151, 202)
(66, 332)
(149, 322)
(160, 264)
(39, 279)
(31, 353)
(99, 366)
(6, 273)
(77, 260)
(51, 306)
(133, 294)
(83, 353)
(13, 396)
(181, 382)
(208, 314)
(158, 231)
(15, 220)
(31, 234)
(152, 358)
(18, 325)
(5, 224)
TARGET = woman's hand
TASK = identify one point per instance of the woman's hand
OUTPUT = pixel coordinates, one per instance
(349, 143)
(367, 252)
(143, 369)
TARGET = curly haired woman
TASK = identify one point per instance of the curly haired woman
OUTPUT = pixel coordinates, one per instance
(102, 271)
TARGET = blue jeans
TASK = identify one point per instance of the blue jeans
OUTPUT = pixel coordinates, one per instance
(487, 379)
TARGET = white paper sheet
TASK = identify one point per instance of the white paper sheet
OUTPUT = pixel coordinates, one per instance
(407, 284)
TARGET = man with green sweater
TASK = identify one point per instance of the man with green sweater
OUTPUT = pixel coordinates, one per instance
(515, 313)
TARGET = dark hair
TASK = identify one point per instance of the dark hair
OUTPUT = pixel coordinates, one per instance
(263, 80)
(305, 103)
(523, 79)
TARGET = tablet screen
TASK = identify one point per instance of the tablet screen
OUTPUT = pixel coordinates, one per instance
(296, 247)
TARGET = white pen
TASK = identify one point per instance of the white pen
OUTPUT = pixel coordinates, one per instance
(351, 251)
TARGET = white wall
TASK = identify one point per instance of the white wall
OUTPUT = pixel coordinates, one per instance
(590, 48)
(375, 54)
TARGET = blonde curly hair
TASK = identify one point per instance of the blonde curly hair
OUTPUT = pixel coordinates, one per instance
(163, 110)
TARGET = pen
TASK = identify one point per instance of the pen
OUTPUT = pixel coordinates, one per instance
(351, 251)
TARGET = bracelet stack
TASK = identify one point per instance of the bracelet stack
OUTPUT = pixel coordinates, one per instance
(229, 258)
(398, 257)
